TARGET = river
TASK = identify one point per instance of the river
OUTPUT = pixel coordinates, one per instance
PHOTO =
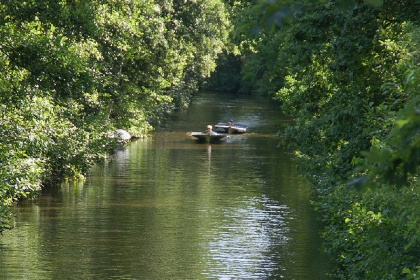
(167, 207)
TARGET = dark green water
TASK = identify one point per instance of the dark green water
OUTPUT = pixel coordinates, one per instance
(168, 207)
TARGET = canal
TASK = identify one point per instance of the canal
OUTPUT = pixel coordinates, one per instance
(167, 207)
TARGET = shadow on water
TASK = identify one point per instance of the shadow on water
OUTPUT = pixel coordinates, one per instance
(167, 207)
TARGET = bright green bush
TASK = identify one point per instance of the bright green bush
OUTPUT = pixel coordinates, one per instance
(74, 71)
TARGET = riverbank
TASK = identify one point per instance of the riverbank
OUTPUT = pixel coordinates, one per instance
(185, 210)
(71, 74)
(63, 154)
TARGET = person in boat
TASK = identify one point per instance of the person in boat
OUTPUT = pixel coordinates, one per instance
(210, 130)
(230, 123)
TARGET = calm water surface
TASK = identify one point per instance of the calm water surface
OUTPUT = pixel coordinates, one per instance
(168, 207)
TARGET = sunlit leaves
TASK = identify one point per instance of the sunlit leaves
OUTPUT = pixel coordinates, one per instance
(398, 160)
(73, 71)
(344, 70)
(411, 275)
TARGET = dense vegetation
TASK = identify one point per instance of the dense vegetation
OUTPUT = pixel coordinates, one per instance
(73, 71)
(348, 73)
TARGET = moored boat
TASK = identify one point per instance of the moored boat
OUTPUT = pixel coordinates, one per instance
(231, 127)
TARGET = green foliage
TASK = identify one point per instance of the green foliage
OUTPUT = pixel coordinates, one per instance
(74, 71)
(347, 72)
(373, 234)
(226, 77)
(412, 275)
(395, 162)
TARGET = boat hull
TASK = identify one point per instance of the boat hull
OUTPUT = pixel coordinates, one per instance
(208, 138)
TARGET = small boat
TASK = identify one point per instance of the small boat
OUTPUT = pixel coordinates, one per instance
(208, 138)
(231, 127)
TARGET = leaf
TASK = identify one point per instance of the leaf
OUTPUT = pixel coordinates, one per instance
(406, 270)
(374, 3)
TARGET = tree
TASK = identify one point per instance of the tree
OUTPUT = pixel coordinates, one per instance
(348, 76)
(73, 71)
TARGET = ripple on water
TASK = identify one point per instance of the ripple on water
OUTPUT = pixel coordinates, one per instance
(244, 244)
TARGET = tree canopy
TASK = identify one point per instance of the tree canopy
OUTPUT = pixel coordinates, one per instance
(347, 72)
(74, 71)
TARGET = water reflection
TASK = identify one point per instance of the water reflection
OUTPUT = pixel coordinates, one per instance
(169, 208)
(245, 241)
(209, 158)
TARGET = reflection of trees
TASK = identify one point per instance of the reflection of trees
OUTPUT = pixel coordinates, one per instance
(167, 208)
(121, 158)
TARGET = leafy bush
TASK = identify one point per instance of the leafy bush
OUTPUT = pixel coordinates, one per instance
(349, 77)
(74, 72)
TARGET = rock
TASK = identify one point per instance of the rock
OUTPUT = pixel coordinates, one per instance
(122, 134)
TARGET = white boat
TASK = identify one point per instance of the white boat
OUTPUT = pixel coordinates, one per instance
(231, 127)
